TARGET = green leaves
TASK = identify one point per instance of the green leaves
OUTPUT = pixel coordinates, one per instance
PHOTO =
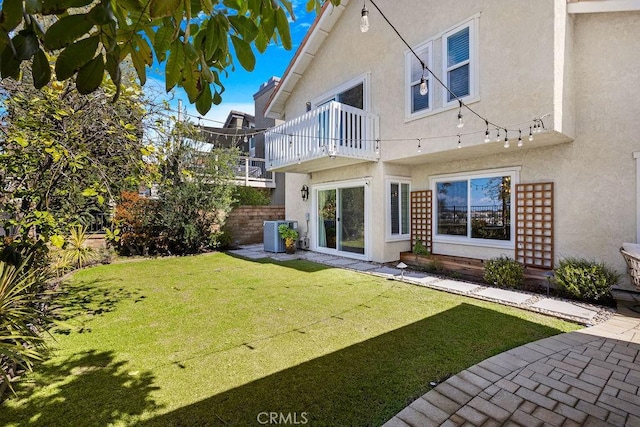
(67, 30)
(244, 53)
(175, 65)
(162, 8)
(40, 69)
(11, 14)
(90, 75)
(75, 56)
(26, 44)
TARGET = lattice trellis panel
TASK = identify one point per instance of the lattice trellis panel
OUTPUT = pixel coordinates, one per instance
(534, 224)
(421, 218)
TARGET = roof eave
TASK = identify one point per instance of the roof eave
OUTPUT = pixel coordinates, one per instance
(305, 53)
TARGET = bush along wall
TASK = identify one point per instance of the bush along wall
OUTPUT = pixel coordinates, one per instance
(585, 279)
(504, 272)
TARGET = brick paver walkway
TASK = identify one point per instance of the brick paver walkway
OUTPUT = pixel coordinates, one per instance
(587, 377)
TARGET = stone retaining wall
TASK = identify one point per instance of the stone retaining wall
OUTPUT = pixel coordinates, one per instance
(245, 223)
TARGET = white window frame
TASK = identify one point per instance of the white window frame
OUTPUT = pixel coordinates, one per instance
(425, 52)
(472, 61)
(388, 235)
(364, 79)
(513, 172)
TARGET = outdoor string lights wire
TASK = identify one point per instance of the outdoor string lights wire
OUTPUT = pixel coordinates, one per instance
(535, 126)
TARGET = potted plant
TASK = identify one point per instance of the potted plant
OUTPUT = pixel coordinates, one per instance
(290, 237)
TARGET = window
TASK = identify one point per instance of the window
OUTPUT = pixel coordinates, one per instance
(398, 194)
(415, 101)
(353, 93)
(459, 62)
(455, 51)
(475, 208)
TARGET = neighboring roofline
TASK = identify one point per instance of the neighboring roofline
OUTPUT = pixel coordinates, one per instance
(236, 113)
(312, 41)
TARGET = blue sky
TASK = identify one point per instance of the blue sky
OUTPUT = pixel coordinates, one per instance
(240, 85)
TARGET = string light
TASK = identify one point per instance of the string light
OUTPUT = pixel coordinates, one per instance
(460, 122)
(364, 19)
(459, 143)
(530, 134)
(419, 146)
(424, 88)
(497, 134)
(486, 133)
(519, 138)
(506, 139)
(377, 146)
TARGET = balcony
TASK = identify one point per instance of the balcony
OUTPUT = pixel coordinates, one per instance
(252, 172)
(333, 135)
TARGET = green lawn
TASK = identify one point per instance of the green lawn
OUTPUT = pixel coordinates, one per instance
(217, 340)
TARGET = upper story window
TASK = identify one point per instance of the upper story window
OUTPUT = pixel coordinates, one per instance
(354, 93)
(457, 64)
(456, 52)
(475, 208)
(417, 102)
(398, 210)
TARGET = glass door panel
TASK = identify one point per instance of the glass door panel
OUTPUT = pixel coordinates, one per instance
(327, 219)
(351, 229)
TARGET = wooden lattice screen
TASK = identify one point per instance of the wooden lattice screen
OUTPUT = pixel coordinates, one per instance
(421, 218)
(534, 224)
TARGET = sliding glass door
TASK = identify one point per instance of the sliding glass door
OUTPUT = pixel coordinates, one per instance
(341, 220)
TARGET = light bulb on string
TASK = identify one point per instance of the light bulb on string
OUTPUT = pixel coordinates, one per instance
(506, 139)
(419, 146)
(424, 88)
(486, 133)
(459, 142)
(377, 146)
(519, 137)
(530, 134)
(497, 134)
(460, 122)
(364, 19)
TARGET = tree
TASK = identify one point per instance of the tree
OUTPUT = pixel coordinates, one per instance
(193, 39)
(65, 156)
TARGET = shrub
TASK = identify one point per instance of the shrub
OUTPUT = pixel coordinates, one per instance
(249, 196)
(435, 266)
(420, 248)
(584, 279)
(76, 251)
(23, 318)
(504, 272)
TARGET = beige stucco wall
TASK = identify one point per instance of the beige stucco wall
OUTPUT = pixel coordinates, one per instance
(534, 59)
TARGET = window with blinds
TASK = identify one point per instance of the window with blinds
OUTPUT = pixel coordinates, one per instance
(458, 57)
(458, 64)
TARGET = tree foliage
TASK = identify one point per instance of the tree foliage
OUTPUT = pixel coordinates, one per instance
(196, 39)
(195, 193)
(64, 157)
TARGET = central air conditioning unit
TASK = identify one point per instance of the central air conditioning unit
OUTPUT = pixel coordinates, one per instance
(271, 238)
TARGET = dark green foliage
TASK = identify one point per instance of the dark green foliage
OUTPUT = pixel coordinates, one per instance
(504, 272)
(250, 196)
(585, 279)
(198, 40)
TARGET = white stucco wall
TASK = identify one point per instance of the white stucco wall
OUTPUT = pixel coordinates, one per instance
(534, 59)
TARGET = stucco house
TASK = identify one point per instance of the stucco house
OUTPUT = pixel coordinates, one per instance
(545, 165)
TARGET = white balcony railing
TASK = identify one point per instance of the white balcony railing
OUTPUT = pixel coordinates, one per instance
(333, 130)
(252, 172)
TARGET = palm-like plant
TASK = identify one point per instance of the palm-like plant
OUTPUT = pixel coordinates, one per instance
(21, 321)
(77, 252)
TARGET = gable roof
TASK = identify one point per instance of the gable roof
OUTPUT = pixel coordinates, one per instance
(311, 43)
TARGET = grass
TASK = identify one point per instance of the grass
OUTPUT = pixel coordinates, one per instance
(216, 340)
